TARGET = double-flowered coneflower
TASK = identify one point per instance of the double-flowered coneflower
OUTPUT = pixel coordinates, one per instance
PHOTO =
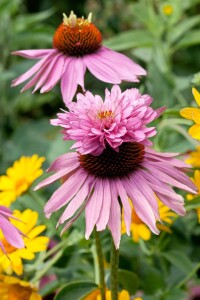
(77, 45)
(113, 163)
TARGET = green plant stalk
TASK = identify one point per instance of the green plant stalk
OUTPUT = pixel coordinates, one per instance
(114, 262)
(100, 260)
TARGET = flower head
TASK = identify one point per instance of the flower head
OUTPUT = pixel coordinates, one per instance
(167, 9)
(140, 230)
(77, 45)
(8, 231)
(12, 288)
(32, 241)
(19, 178)
(121, 117)
(193, 113)
(124, 168)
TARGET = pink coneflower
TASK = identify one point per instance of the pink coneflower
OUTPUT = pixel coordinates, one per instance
(12, 235)
(77, 45)
(113, 164)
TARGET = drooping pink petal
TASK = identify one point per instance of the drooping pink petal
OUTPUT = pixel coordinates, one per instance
(11, 233)
(65, 193)
(100, 70)
(34, 54)
(69, 80)
(114, 222)
(106, 204)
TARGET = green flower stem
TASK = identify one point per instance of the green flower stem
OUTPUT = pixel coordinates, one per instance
(99, 258)
(114, 261)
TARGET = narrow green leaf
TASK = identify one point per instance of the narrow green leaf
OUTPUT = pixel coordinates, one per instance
(190, 39)
(195, 203)
(180, 260)
(76, 290)
(180, 29)
(130, 39)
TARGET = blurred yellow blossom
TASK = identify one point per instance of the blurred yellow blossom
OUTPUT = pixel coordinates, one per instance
(194, 158)
(19, 178)
(95, 295)
(12, 288)
(33, 242)
(193, 113)
(140, 230)
(190, 197)
(167, 9)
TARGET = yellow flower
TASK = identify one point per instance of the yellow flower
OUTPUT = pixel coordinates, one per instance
(19, 178)
(194, 158)
(95, 295)
(12, 288)
(190, 197)
(167, 9)
(140, 230)
(33, 243)
(193, 113)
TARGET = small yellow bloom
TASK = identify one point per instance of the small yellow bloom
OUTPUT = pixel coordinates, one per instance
(12, 288)
(140, 230)
(96, 295)
(190, 197)
(194, 158)
(19, 178)
(12, 262)
(167, 9)
(193, 113)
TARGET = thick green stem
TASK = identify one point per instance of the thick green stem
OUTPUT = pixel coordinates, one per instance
(114, 261)
(100, 259)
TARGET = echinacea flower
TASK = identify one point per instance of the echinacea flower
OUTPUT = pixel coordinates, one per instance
(8, 230)
(190, 197)
(114, 163)
(32, 241)
(19, 178)
(12, 288)
(194, 158)
(193, 113)
(96, 295)
(77, 45)
(140, 230)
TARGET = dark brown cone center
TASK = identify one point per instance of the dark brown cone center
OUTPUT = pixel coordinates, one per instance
(111, 164)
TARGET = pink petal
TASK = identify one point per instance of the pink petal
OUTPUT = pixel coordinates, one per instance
(125, 203)
(69, 81)
(76, 202)
(31, 71)
(93, 207)
(11, 234)
(106, 204)
(114, 222)
(65, 193)
(35, 54)
(63, 161)
(55, 74)
(80, 71)
(100, 70)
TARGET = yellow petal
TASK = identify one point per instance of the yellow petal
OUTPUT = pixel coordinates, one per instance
(194, 131)
(196, 95)
(191, 113)
(124, 295)
(144, 232)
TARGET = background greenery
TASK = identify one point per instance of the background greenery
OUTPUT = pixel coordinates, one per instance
(168, 47)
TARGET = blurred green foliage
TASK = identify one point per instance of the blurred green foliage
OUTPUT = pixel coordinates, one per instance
(168, 47)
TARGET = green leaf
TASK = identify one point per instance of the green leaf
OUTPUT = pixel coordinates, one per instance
(190, 39)
(130, 39)
(76, 290)
(180, 260)
(195, 203)
(180, 29)
(129, 281)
